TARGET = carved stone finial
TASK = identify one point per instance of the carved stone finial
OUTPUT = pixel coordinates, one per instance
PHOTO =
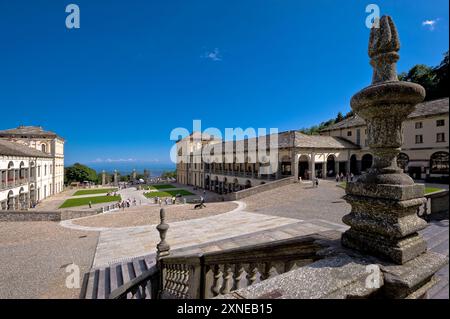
(384, 45)
(163, 248)
(384, 200)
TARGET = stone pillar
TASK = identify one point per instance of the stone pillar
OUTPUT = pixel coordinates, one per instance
(116, 177)
(384, 200)
(358, 167)
(336, 167)
(294, 165)
(134, 175)
(103, 178)
(312, 169)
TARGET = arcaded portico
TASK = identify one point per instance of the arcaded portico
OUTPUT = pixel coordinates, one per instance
(31, 166)
(234, 166)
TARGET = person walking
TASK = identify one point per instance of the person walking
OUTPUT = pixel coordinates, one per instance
(337, 178)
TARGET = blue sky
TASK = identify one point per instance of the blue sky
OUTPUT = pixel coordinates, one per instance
(116, 87)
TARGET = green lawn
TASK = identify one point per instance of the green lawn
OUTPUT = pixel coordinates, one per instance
(432, 189)
(95, 191)
(428, 190)
(168, 193)
(72, 202)
(161, 186)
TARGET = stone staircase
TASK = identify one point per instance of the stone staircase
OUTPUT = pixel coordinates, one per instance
(437, 237)
(100, 282)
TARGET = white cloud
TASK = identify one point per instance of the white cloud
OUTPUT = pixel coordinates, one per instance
(430, 24)
(213, 55)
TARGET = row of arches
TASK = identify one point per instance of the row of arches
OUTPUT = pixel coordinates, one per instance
(226, 185)
(19, 201)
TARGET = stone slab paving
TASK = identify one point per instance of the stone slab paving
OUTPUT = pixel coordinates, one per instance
(116, 244)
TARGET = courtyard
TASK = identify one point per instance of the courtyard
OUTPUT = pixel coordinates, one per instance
(114, 238)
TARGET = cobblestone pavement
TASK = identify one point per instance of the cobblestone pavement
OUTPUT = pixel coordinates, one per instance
(149, 215)
(302, 201)
(34, 256)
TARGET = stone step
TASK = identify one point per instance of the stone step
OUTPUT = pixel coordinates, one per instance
(101, 282)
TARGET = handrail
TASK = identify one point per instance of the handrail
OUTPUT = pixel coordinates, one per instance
(210, 274)
(149, 276)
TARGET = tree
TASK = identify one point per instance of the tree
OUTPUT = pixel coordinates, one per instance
(434, 80)
(339, 118)
(80, 173)
(441, 73)
(169, 174)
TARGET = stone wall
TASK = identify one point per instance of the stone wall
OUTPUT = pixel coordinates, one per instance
(47, 216)
(259, 189)
(439, 204)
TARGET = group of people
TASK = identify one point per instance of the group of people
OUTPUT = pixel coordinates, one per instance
(348, 177)
(127, 203)
(167, 200)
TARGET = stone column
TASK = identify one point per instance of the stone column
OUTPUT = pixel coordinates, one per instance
(336, 167)
(312, 169)
(294, 165)
(358, 167)
(116, 178)
(384, 200)
(103, 178)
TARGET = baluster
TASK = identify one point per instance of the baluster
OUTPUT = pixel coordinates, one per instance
(254, 276)
(241, 276)
(218, 279)
(228, 281)
(185, 281)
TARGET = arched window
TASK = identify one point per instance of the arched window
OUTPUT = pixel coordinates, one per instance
(439, 163)
(43, 148)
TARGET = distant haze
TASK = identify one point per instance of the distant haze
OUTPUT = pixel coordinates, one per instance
(125, 168)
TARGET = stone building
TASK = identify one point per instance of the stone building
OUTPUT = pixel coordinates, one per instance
(425, 148)
(239, 165)
(340, 148)
(31, 166)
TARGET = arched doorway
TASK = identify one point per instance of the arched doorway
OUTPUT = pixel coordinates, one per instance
(207, 182)
(439, 163)
(286, 166)
(353, 165)
(303, 167)
(403, 161)
(235, 185)
(10, 200)
(366, 162)
(331, 165)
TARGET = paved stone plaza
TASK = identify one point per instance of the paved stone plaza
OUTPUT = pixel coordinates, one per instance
(285, 212)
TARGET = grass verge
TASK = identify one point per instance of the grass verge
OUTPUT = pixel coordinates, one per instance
(94, 191)
(168, 193)
(73, 202)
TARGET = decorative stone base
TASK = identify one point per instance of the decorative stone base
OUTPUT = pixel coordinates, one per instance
(384, 220)
(398, 250)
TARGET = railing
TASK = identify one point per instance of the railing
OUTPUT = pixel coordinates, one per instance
(213, 274)
(434, 206)
(145, 286)
(209, 275)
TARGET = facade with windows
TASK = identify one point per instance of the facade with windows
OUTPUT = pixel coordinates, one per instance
(229, 166)
(31, 166)
(425, 148)
(341, 148)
